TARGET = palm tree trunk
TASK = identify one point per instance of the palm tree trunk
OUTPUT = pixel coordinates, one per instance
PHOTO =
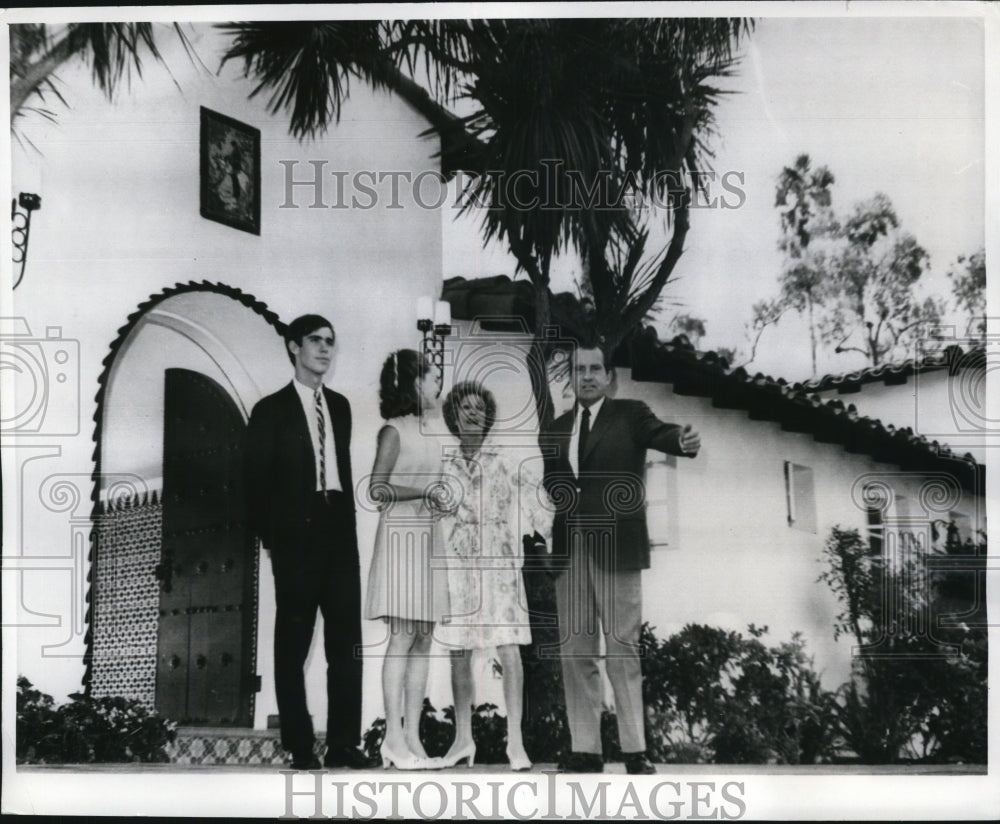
(37, 73)
(543, 686)
(640, 308)
(538, 358)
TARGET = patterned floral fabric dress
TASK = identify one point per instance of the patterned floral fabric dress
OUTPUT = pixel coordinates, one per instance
(500, 498)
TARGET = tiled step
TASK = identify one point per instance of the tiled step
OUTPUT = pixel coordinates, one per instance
(228, 745)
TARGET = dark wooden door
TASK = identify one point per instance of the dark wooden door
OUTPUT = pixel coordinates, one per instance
(205, 662)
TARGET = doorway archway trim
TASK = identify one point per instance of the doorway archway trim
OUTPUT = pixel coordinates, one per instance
(133, 321)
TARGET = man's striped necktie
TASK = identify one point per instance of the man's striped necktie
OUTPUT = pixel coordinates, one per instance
(321, 424)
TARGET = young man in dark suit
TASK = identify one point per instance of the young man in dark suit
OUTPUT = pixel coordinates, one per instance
(601, 541)
(301, 504)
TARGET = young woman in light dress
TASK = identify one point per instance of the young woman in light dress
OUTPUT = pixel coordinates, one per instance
(403, 589)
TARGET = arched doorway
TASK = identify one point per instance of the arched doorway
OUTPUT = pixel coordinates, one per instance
(175, 598)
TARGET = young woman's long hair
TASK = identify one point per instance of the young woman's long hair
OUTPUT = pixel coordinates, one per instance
(398, 393)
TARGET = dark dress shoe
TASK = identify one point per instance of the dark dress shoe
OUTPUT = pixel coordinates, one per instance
(636, 763)
(348, 757)
(582, 762)
(305, 761)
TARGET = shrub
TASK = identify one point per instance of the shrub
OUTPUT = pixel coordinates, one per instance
(87, 730)
(710, 695)
(713, 695)
(918, 689)
(546, 735)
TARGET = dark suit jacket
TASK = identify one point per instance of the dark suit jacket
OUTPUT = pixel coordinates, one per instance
(280, 466)
(610, 492)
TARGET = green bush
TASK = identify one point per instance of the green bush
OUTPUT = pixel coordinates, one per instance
(87, 730)
(715, 696)
(710, 695)
(918, 689)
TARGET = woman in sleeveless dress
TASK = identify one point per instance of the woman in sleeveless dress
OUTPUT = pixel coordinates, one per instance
(402, 590)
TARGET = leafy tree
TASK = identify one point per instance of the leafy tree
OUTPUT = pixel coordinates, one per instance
(855, 276)
(968, 288)
(714, 695)
(871, 305)
(688, 325)
(803, 198)
(765, 313)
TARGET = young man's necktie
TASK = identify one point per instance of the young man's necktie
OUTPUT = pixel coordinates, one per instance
(321, 424)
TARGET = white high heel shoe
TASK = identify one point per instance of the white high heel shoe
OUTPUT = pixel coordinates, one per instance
(518, 763)
(468, 753)
(404, 762)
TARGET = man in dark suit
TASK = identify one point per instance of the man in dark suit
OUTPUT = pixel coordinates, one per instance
(601, 542)
(301, 504)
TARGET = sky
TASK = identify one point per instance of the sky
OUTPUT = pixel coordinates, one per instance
(892, 105)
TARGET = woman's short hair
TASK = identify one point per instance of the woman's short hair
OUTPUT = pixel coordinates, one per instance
(463, 390)
(398, 394)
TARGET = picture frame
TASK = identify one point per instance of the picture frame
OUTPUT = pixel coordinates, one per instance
(230, 171)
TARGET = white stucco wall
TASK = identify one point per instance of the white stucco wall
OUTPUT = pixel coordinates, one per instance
(120, 221)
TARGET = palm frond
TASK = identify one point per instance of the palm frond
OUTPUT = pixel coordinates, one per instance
(307, 66)
(113, 50)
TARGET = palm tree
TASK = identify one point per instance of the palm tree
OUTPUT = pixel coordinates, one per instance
(114, 51)
(621, 104)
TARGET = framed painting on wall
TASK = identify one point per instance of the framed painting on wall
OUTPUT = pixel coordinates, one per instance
(230, 171)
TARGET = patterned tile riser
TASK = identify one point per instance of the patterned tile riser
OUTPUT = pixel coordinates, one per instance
(191, 748)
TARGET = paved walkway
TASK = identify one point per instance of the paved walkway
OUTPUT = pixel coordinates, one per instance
(494, 769)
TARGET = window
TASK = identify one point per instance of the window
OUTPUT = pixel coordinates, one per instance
(887, 514)
(876, 531)
(800, 494)
(661, 501)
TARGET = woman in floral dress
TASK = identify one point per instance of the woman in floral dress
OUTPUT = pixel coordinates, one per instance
(495, 498)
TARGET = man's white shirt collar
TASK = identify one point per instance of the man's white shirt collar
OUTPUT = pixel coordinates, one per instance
(574, 437)
(594, 409)
(304, 391)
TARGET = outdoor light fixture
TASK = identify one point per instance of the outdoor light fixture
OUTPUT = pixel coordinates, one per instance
(434, 322)
(20, 226)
